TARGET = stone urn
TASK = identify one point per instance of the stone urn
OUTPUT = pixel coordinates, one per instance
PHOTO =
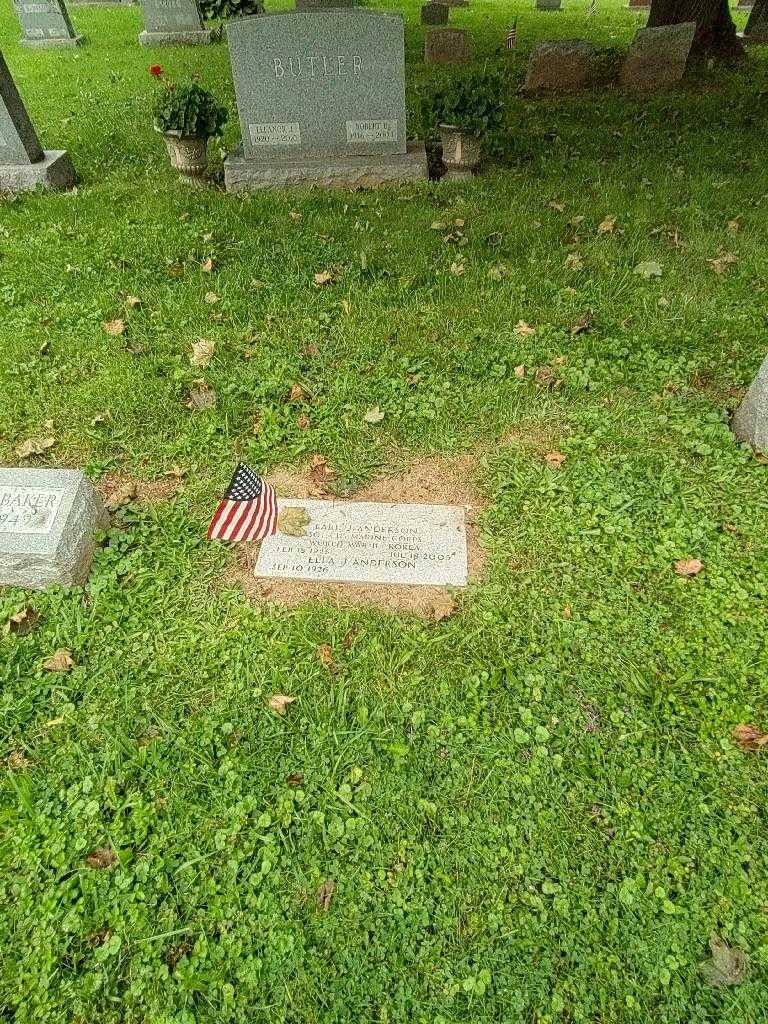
(189, 155)
(462, 152)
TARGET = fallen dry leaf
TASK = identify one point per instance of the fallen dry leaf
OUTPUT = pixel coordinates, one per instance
(297, 394)
(734, 226)
(607, 227)
(573, 261)
(23, 622)
(554, 459)
(557, 206)
(295, 779)
(324, 655)
(547, 376)
(325, 277)
(114, 327)
(443, 606)
(325, 895)
(303, 422)
(524, 330)
(202, 353)
(133, 301)
(293, 522)
(211, 298)
(103, 857)
(34, 446)
(122, 495)
(18, 761)
(728, 966)
(749, 737)
(520, 372)
(279, 703)
(201, 396)
(320, 469)
(374, 415)
(723, 262)
(207, 265)
(583, 324)
(688, 567)
(60, 661)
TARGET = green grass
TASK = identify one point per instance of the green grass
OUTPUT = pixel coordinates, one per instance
(528, 817)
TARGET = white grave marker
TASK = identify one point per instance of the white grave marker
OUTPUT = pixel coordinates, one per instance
(367, 542)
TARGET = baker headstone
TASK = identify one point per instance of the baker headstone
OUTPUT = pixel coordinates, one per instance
(321, 100)
(562, 65)
(757, 26)
(435, 14)
(750, 423)
(446, 46)
(657, 57)
(45, 24)
(48, 518)
(173, 23)
(24, 165)
(548, 5)
(369, 542)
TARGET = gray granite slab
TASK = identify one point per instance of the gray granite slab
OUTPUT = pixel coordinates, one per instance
(45, 23)
(19, 143)
(197, 37)
(750, 423)
(323, 5)
(446, 46)
(48, 521)
(560, 65)
(171, 18)
(658, 57)
(319, 83)
(53, 173)
(549, 5)
(369, 542)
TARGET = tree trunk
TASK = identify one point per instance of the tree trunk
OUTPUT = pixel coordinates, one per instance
(757, 26)
(715, 30)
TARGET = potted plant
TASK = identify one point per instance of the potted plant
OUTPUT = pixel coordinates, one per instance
(467, 112)
(187, 116)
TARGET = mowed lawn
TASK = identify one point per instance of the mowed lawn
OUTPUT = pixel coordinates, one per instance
(531, 811)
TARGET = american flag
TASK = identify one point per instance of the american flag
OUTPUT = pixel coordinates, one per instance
(512, 36)
(592, 9)
(248, 510)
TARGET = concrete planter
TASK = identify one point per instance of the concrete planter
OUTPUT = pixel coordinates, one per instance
(462, 152)
(188, 155)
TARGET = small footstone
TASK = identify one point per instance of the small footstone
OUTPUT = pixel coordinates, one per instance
(24, 165)
(657, 57)
(750, 423)
(48, 519)
(45, 24)
(173, 23)
(435, 14)
(446, 46)
(559, 66)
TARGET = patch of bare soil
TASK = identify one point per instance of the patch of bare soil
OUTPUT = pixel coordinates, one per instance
(117, 489)
(436, 481)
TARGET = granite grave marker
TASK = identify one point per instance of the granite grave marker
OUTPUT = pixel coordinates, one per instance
(750, 422)
(48, 518)
(435, 14)
(548, 5)
(564, 64)
(24, 165)
(446, 46)
(45, 24)
(756, 30)
(324, 5)
(658, 57)
(370, 542)
(321, 99)
(173, 23)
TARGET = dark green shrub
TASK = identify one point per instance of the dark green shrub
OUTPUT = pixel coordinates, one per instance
(223, 10)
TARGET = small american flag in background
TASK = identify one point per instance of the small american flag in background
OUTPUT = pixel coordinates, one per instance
(248, 510)
(592, 9)
(512, 36)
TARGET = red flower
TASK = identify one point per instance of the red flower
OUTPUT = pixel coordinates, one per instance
(156, 70)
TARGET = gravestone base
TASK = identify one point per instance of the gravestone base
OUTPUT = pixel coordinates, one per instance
(53, 44)
(201, 38)
(244, 175)
(54, 173)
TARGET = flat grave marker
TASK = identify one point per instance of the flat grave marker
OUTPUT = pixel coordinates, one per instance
(370, 542)
(48, 518)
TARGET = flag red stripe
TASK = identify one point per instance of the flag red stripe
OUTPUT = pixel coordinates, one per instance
(213, 529)
(244, 531)
(244, 509)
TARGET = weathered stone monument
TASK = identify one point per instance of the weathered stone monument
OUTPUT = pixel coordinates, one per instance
(435, 13)
(369, 542)
(321, 100)
(446, 46)
(549, 5)
(173, 23)
(45, 24)
(562, 65)
(657, 57)
(48, 518)
(24, 164)
(757, 27)
(750, 422)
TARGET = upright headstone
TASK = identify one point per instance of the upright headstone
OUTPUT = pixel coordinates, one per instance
(548, 5)
(757, 26)
(446, 46)
(24, 165)
(750, 423)
(657, 57)
(45, 24)
(48, 518)
(435, 14)
(173, 23)
(321, 99)
(563, 65)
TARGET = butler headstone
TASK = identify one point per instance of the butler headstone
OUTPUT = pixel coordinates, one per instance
(173, 23)
(435, 14)
(45, 24)
(750, 423)
(321, 99)
(48, 518)
(370, 542)
(24, 165)
(446, 46)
